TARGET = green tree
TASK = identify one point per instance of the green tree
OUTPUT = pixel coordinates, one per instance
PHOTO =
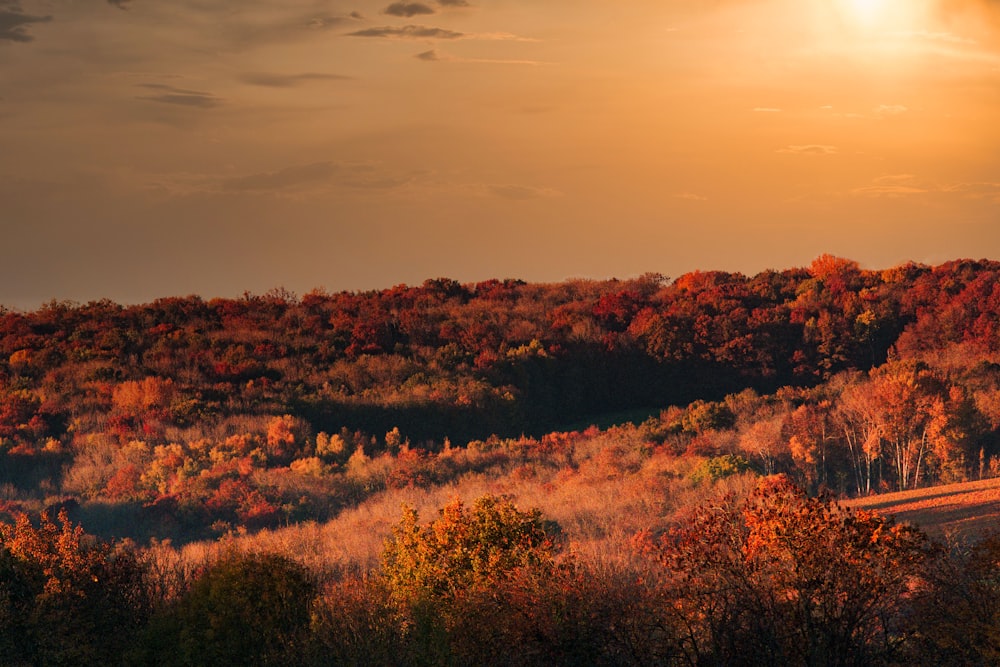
(245, 609)
(465, 548)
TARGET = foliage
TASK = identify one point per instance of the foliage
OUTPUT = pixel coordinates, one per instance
(960, 611)
(465, 549)
(781, 577)
(719, 467)
(243, 609)
(204, 406)
(65, 599)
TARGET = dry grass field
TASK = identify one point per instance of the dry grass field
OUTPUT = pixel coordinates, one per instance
(954, 510)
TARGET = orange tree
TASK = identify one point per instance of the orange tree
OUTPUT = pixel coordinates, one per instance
(779, 577)
(64, 597)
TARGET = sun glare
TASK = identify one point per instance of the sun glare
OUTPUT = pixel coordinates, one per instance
(879, 16)
(866, 11)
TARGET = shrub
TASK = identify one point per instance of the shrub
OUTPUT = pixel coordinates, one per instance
(719, 467)
(782, 578)
(243, 609)
(465, 548)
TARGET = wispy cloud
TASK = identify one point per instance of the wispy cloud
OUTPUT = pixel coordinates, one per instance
(434, 55)
(288, 80)
(14, 22)
(948, 37)
(976, 190)
(120, 4)
(407, 32)
(892, 185)
(296, 181)
(408, 9)
(290, 177)
(519, 192)
(904, 185)
(809, 149)
(690, 196)
(427, 32)
(180, 96)
(766, 110)
(887, 110)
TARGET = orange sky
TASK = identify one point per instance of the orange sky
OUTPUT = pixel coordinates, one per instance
(151, 148)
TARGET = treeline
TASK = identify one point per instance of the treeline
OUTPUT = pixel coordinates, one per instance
(468, 361)
(185, 418)
(768, 577)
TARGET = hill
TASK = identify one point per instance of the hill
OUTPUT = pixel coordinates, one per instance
(963, 510)
(190, 419)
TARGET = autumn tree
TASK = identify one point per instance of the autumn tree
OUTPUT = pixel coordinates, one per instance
(465, 548)
(65, 599)
(958, 616)
(781, 578)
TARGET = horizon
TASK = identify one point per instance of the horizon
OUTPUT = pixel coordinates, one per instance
(155, 150)
(280, 289)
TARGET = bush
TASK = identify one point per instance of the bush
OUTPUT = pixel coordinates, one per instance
(465, 548)
(783, 578)
(244, 609)
(719, 467)
(65, 599)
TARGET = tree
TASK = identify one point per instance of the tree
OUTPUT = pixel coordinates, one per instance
(64, 597)
(779, 577)
(465, 548)
(243, 609)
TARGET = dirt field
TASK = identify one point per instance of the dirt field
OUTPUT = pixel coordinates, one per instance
(959, 510)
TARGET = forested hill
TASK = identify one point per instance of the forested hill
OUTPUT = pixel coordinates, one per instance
(248, 409)
(465, 361)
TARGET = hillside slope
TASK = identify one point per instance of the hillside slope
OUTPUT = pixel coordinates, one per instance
(958, 510)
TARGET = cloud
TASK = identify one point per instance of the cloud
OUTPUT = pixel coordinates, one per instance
(14, 22)
(120, 4)
(453, 3)
(519, 192)
(326, 22)
(948, 37)
(180, 96)
(976, 190)
(904, 185)
(892, 185)
(690, 196)
(407, 32)
(283, 179)
(809, 149)
(294, 181)
(435, 56)
(886, 110)
(288, 80)
(407, 9)
(766, 110)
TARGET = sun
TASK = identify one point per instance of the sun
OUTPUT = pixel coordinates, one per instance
(866, 12)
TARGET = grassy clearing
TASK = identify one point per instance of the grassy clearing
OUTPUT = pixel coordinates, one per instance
(953, 510)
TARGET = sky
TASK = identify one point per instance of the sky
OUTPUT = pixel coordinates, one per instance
(153, 148)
